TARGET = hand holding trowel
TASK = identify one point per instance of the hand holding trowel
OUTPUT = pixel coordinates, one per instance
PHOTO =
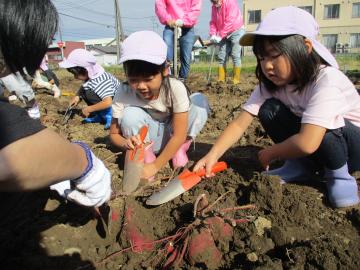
(134, 164)
(181, 183)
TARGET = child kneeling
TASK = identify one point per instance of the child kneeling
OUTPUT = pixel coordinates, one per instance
(150, 97)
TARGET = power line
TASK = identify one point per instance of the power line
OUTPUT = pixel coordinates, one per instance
(85, 20)
(72, 6)
(69, 4)
(71, 33)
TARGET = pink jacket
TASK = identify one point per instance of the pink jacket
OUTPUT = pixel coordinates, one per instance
(225, 19)
(186, 10)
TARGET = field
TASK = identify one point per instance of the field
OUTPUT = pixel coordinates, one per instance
(291, 227)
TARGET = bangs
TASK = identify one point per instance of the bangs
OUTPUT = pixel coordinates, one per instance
(77, 70)
(139, 68)
(274, 41)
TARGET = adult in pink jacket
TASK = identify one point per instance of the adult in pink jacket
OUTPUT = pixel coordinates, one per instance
(226, 29)
(183, 14)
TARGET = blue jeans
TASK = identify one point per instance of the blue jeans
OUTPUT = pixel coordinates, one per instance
(160, 132)
(186, 43)
(230, 46)
(338, 147)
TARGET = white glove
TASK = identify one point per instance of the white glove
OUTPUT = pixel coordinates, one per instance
(61, 187)
(179, 23)
(215, 39)
(91, 189)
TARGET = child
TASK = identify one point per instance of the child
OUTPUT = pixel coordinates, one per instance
(226, 28)
(38, 83)
(50, 75)
(98, 89)
(308, 107)
(52, 82)
(151, 98)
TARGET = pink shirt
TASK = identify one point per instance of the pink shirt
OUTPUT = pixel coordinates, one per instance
(326, 102)
(186, 10)
(225, 19)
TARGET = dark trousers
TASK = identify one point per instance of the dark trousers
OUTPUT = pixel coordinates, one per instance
(339, 146)
(51, 76)
(89, 97)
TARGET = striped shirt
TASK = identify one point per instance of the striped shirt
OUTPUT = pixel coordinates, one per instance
(104, 85)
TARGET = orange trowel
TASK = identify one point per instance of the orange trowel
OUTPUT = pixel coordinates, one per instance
(183, 182)
(134, 163)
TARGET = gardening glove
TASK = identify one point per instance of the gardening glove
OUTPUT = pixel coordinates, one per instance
(92, 188)
(215, 39)
(179, 23)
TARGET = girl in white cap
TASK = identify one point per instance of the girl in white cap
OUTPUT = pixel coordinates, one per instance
(98, 89)
(151, 98)
(308, 107)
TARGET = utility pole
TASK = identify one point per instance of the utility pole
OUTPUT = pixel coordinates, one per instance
(61, 43)
(119, 29)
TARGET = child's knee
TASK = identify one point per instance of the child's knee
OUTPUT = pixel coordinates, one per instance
(269, 110)
(132, 117)
(333, 150)
(198, 114)
(200, 100)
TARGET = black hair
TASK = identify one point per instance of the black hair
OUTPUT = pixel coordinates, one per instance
(305, 66)
(26, 30)
(78, 71)
(139, 68)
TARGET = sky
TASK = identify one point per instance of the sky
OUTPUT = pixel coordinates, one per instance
(90, 19)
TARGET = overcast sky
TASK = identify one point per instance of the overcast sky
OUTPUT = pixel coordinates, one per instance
(88, 19)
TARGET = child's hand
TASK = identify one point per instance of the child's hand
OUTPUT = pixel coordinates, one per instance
(149, 170)
(74, 101)
(171, 23)
(266, 157)
(132, 141)
(86, 111)
(208, 162)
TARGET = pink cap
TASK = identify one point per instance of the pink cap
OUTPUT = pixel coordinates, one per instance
(83, 58)
(144, 45)
(290, 20)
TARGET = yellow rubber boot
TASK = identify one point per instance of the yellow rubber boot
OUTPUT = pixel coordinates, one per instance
(221, 74)
(236, 78)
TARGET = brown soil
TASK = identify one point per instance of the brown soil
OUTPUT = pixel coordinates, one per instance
(294, 227)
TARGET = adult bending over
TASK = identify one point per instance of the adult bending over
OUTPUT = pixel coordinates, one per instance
(32, 156)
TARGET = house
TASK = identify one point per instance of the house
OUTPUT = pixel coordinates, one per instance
(105, 55)
(99, 42)
(57, 51)
(339, 21)
(198, 49)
